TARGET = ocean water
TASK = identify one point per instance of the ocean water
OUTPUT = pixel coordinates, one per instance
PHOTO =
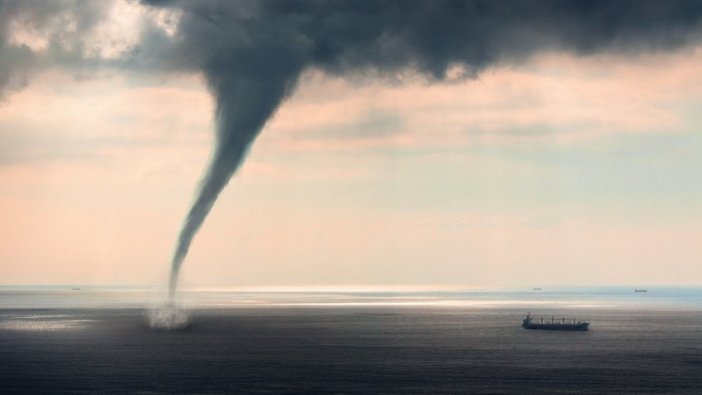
(351, 341)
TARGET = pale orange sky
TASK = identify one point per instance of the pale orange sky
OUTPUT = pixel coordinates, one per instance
(565, 170)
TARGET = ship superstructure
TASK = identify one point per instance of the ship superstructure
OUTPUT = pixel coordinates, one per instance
(562, 324)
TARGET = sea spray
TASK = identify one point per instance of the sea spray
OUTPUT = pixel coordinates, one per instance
(168, 316)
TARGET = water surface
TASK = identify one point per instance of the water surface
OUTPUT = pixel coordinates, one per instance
(326, 342)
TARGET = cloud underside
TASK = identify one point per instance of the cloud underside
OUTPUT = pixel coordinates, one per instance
(254, 38)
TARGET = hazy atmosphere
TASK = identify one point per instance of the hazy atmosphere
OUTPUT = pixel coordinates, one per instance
(531, 159)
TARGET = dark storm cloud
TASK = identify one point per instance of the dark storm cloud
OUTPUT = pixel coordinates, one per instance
(342, 36)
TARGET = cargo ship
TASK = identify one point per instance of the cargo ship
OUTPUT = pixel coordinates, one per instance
(555, 325)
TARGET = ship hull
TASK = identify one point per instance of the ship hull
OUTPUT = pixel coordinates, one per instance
(581, 327)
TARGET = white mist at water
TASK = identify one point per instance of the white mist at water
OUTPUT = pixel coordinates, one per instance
(168, 316)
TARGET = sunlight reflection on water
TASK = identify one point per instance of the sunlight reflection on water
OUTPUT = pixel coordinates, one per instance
(43, 325)
(242, 297)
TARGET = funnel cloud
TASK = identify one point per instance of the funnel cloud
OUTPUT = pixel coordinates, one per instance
(243, 106)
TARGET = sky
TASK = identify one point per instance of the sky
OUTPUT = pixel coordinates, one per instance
(570, 162)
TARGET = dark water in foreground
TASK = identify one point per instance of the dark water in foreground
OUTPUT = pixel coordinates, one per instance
(369, 349)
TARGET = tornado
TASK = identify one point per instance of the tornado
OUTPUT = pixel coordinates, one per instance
(244, 102)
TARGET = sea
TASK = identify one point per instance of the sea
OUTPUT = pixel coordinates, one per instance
(81, 339)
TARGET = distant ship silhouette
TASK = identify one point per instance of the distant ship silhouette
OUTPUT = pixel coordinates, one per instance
(555, 325)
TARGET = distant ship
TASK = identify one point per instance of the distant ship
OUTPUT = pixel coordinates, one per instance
(555, 325)
(640, 290)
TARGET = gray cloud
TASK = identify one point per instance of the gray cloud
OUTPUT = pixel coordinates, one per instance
(369, 126)
(64, 24)
(346, 36)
